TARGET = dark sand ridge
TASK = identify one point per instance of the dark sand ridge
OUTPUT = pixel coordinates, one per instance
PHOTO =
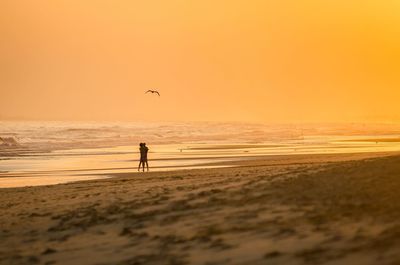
(375, 140)
(315, 210)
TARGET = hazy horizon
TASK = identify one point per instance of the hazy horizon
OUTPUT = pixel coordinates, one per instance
(155, 121)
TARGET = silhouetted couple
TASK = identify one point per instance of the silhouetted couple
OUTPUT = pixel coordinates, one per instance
(143, 156)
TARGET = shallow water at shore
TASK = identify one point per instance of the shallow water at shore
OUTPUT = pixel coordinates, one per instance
(58, 152)
(61, 166)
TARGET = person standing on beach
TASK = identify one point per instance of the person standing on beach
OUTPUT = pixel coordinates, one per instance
(143, 156)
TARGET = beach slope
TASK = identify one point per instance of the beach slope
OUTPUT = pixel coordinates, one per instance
(318, 210)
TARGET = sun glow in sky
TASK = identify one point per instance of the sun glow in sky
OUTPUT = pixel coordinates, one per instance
(216, 60)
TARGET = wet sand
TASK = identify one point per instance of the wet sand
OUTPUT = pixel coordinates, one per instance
(318, 209)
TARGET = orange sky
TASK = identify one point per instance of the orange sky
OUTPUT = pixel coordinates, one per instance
(266, 60)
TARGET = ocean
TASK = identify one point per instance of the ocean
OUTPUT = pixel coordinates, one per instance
(44, 153)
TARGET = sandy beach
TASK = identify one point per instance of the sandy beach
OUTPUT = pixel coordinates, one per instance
(319, 209)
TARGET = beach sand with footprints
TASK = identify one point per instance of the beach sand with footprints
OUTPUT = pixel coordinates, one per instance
(319, 209)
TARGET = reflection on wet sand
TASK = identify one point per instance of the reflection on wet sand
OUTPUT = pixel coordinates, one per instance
(60, 166)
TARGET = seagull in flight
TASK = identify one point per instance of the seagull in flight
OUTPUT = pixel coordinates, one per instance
(152, 91)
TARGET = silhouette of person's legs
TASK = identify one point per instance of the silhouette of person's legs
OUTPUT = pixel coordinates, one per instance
(140, 163)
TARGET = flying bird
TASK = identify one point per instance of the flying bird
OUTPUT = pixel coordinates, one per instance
(152, 91)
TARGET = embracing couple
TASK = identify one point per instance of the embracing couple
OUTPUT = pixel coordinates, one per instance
(143, 156)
